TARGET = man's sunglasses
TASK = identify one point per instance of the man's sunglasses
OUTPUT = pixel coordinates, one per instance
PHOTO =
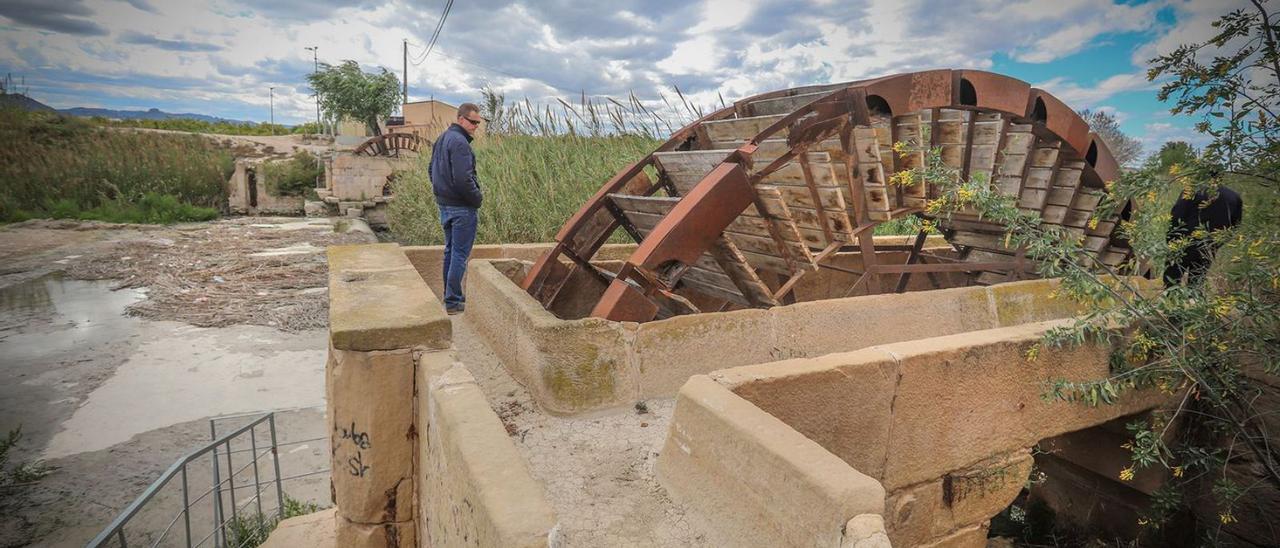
(473, 122)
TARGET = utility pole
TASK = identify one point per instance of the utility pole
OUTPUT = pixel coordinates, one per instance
(406, 75)
(315, 58)
(272, 90)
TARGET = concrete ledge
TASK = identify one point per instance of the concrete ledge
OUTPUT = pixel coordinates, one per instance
(474, 489)
(574, 366)
(377, 301)
(758, 480)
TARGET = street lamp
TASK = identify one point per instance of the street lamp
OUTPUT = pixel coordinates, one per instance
(315, 58)
(273, 109)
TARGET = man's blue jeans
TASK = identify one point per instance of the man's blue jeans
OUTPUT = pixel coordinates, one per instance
(459, 225)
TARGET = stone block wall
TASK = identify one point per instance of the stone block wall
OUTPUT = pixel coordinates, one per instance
(356, 178)
(418, 456)
(382, 317)
(945, 424)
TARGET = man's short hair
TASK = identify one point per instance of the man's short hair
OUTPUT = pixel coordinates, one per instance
(467, 108)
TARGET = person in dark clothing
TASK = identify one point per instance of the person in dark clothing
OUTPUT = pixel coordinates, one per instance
(1203, 211)
(453, 181)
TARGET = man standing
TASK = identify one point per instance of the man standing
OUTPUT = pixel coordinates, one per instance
(1204, 212)
(453, 180)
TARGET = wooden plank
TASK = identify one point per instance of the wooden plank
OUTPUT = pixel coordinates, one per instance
(1054, 214)
(654, 205)
(694, 281)
(730, 260)
(784, 105)
(742, 129)
(685, 169)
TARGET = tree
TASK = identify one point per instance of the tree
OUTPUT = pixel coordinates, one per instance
(1124, 148)
(1173, 153)
(345, 91)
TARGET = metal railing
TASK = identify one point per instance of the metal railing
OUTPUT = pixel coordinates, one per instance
(226, 493)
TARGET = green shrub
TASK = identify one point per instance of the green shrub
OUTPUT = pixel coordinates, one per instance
(292, 177)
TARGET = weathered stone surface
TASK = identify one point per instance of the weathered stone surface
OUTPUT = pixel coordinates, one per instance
(932, 510)
(370, 397)
(841, 325)
(315, 530)
(669, 351)
(474, 488)
(1030, 301)
(314, 209)
(400, 534)
(759, 481)
(865, 531)
(962, 398)
(570, 366)
(813, 396)
(377, 301)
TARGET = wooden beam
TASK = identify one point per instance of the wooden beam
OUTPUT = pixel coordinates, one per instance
(911, 259)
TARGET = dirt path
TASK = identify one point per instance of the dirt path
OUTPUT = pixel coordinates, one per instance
(114, 379)
(598, 470)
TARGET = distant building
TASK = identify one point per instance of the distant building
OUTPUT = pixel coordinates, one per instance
(428, 119)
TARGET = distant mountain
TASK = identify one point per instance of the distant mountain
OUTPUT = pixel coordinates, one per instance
(152, 114)
(22, 101)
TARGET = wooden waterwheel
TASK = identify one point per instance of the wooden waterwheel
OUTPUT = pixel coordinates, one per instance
(776, 184)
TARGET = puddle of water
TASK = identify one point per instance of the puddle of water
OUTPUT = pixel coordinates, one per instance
(178, 373)
(52, 315)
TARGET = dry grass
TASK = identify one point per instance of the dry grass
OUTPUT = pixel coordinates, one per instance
(204, 275)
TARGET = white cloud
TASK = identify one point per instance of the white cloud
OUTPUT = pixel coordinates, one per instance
(708, 48)
(1081, 97)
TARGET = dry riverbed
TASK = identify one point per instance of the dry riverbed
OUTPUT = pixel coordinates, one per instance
(118, 343)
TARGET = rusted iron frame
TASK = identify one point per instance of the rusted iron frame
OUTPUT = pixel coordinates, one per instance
(621, 218)
(911, 259)
(583, 263)
(534, 281)
(708, 209)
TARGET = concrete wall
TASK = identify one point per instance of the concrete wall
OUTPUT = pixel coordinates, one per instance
(418, 456)
(475, 488)
(573, 366)
(757, 480)
(945, 423)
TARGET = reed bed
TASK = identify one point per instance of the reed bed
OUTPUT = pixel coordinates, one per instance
(54, 165)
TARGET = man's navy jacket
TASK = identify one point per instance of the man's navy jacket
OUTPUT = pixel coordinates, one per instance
(453, 170)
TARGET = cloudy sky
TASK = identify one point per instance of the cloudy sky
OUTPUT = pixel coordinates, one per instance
(220, 57)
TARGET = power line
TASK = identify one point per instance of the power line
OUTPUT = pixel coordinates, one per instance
(435, 35)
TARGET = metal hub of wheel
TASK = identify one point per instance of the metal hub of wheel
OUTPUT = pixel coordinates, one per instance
(741, 204)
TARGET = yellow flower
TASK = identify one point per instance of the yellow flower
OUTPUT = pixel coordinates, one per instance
(1127, 474)
(1143, 522)
(1226, 517)
(900, 147)
(1033, 353)
(1177, 471)
(1093, 223)
(1175, 169)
